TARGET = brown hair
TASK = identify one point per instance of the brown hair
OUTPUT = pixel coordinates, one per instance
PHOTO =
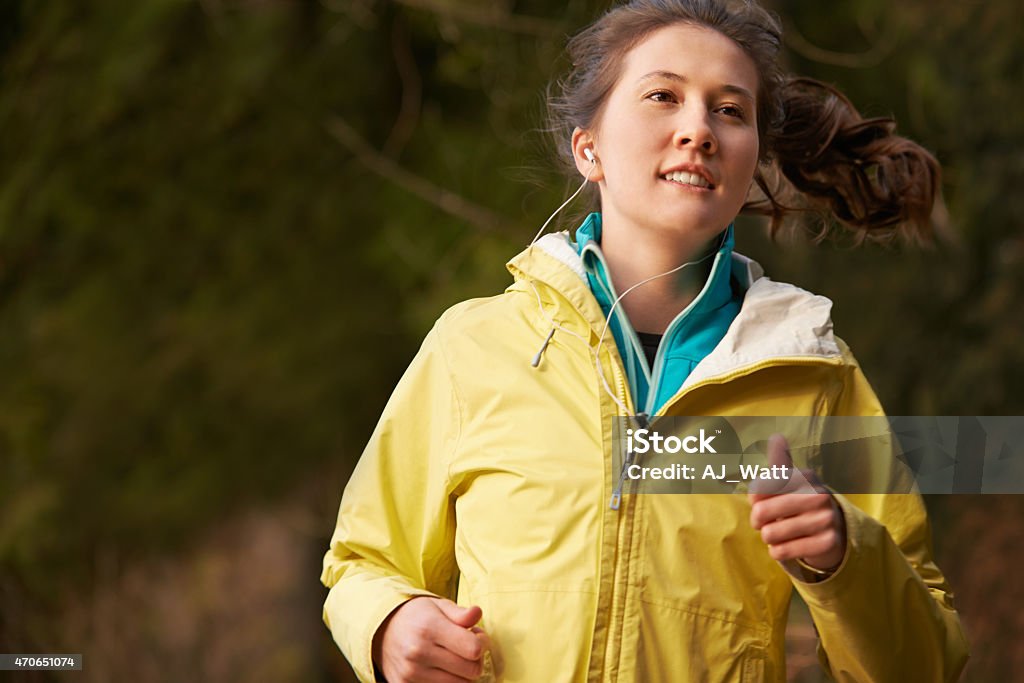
(817, 152)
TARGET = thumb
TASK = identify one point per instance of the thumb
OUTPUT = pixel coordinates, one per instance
(778, 455)
(461, 616)
(778, 451)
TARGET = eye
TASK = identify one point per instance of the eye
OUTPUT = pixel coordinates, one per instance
(661, 96)
(731, 110)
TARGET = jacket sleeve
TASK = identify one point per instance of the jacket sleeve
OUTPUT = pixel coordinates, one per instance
(395, 529)
(887, 612)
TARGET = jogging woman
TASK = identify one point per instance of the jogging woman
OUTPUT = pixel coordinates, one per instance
(480, 536)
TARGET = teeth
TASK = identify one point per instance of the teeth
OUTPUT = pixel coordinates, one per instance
(687, 178)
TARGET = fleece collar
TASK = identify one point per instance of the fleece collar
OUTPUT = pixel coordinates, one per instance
(687, 340)
(716, 293)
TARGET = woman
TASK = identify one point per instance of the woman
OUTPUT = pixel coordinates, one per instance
(489, 479)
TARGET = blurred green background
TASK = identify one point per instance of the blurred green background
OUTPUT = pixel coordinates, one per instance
(225, 225)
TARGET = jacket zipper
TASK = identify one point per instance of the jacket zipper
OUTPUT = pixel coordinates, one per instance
(616, 498)
(624, 530)
(628, 460)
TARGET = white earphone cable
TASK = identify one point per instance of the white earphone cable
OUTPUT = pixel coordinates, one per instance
(611, 311)
(593, 165)
(595, 350)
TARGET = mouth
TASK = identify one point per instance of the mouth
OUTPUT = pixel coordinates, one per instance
(689, 179)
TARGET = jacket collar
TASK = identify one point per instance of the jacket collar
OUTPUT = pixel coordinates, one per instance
(777, 320)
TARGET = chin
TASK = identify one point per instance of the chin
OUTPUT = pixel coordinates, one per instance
(691, 223)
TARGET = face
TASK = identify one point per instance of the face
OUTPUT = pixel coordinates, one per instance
(677, 140)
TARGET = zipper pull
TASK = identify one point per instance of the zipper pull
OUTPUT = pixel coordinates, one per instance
(644, 422)
(617, 493)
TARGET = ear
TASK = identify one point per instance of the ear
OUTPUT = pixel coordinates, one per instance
(582, 140)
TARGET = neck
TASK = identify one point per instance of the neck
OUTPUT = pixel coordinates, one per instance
(633, 255)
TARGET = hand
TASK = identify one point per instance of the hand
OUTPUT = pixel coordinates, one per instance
(431, 640)
(797, 518)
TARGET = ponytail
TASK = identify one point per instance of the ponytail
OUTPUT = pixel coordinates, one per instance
(829, 159)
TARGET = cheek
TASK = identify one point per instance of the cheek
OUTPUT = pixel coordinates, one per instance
(626, 158)
(746, 158)
(630, 138)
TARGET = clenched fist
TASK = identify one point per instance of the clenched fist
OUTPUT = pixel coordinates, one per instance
(797, 518)
(431, 640)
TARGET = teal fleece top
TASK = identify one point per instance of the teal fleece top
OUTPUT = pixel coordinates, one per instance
(689, 337)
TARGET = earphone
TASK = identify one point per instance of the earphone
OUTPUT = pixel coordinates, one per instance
(589, 155)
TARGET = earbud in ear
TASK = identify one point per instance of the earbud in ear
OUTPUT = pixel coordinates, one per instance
(589, 154)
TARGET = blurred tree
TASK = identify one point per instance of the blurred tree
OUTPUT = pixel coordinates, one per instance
(189, 285)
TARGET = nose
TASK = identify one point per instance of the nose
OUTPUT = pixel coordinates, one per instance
(694, 131)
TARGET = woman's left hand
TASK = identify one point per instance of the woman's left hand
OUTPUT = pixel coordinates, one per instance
(798, 518)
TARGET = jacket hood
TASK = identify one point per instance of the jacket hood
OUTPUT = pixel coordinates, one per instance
(777, 320)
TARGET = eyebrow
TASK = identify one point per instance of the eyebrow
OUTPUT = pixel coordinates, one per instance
(672, 76)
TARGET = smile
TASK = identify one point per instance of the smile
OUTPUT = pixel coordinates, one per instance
(691, 179)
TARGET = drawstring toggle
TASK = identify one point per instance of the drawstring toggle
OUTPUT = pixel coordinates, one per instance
(536, 358)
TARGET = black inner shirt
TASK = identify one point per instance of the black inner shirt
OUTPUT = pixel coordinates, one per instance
(650, 342)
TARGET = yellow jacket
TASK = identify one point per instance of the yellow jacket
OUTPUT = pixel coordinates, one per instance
(487, 480)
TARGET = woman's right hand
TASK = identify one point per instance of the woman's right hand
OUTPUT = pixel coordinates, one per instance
(431, 640)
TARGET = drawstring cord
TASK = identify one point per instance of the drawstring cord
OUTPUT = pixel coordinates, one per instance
(547, 340)
(594, 351)
(535, 362)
